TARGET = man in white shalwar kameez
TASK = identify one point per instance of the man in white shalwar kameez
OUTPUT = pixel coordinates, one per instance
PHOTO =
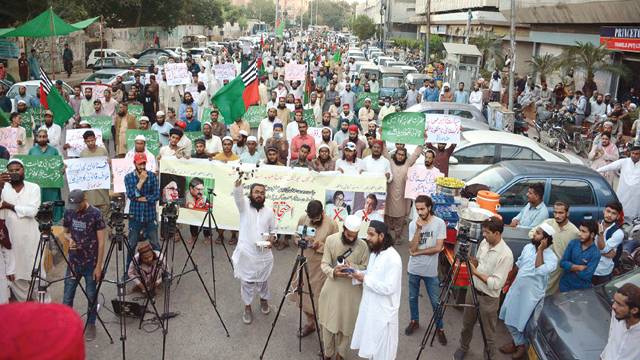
(376, 331)
(535, 264)
(629, 183)
(20, 203)
(252, 261)
(7, 272)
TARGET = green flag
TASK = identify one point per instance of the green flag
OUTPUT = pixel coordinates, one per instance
(337, 56)
(229, 100)
(4, 119)
(62, 112)
(280, 30)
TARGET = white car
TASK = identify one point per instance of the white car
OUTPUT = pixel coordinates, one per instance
(98, 53)
(33, 87)
(479, 149)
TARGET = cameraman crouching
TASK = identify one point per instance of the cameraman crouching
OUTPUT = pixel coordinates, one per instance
(322, 226)
(84, 230)
(149, 278)
(490, 269)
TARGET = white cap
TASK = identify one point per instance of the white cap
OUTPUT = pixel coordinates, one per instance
(84, 122)
(22, 101)
(227, 138)
(351, 146)
(160, 113)
(140, 138)
(252, 138)
(352, 223)
(144, 118)
(15, 161)
(323, 146)
(547, 229)
(206, 123)
(244, 133)
(367, 99)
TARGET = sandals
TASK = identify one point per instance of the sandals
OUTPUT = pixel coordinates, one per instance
(306, 331)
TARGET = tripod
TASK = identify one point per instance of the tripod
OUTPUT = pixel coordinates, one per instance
(461, 257)
(117, 241)
(300, 267)
(36, 273)
(169, 219)
(208, 219)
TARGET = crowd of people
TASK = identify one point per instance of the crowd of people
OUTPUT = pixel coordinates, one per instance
(357, 296)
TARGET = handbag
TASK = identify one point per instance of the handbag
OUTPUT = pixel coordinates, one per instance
(5, 241)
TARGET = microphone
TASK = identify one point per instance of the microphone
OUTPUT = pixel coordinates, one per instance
(345, 255)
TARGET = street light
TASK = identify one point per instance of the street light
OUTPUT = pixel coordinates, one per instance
(383, 8)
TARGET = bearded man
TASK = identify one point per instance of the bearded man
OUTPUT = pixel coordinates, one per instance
(397, 207)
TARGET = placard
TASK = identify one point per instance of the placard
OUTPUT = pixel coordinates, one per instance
(152, 140)
(226, 71)
(404, 128)
(421, 181)
(119, 169)
(374, 100)
(443, 128)
(46, 171)
(102, 122)
(295, 72)
(9, 139)
(76, 141)
(136, 110)
(255, 114)
(309, 117)
(177, 74)
(90, 173)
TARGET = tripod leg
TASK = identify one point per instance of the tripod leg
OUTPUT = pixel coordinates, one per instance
(476, 303)
(284, 297)
(190, 249)
(313, 307)
(215, 223)
(120, 286)
(213, 268)
(299, 288)
(36, 269)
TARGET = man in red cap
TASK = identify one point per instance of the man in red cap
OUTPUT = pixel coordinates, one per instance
(143, 191)
(353, 137)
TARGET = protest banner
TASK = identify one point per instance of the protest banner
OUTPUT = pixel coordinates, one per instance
(46, 171)
(288, 190)
(443, 128)
(31, 120)
(102, 122)
(255, 114)
(119, 169)
(374, 100)
(88, 173)
(316, 133)
(225, 71)
(404, 128)
(177, 74)
(135, 110)
(9, 139)
(309, 117)
(152, 140)
(420, 181)
(205, 115)
(295, 72)
(76, 141)
(193, 135)
(96, 90)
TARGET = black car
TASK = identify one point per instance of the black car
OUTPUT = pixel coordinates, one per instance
(157, 52)
(112, 63)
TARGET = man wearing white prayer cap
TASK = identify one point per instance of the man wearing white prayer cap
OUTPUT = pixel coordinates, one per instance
(340, 298)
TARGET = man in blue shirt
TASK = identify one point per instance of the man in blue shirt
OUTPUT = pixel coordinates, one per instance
(535, 212)
(143, 192)
(431, 92)
(580, 259)
(461, 96)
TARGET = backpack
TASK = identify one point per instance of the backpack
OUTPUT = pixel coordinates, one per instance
(587, 109)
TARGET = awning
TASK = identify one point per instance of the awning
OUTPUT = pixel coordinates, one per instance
(45, 25)
(4, 31)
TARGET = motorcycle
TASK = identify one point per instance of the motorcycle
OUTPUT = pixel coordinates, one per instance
(520, 124)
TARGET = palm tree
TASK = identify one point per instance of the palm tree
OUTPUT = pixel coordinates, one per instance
(544, 65)
(490, 47)
(591, 59)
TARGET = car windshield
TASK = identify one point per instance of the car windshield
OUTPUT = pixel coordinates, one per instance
(612, 286)
(494, 177)
(102, 76)
(391, 82)
(122, 54)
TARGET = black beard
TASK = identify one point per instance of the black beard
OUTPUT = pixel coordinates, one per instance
(282, 106)
(87, 97)
(272, 119)
(376, 248)
(536, 244)
(256, 205)
(395, 160)
(327, 139)
(17, 182)
(346, 241)
(188, 101)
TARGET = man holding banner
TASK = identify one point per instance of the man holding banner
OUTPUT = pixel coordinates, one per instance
(54, 131)
(42, 148)
(98, 198)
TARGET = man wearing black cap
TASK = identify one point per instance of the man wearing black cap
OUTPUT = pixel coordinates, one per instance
(84, 230)
(376, 331)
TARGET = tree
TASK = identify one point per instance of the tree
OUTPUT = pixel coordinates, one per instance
(263, 10)
(334, 14)
(544, 65)
(490, 47)
(363, 27)
(591, 59)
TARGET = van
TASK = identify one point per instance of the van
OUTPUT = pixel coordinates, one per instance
(392, 83)
(369, 69)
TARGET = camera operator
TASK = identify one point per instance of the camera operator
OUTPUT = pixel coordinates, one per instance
(252, 263)
(340, 299)
(84, 230)
(148, 260)
(490, 269)
(143, 191)
(19, 206)
(322, 227)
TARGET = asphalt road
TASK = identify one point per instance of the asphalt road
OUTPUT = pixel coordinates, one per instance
(197, 332)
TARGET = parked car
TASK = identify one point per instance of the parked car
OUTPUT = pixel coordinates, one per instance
(416, 79)
(196, 53)
(369, 69)
(108, 77)
(386, 60)
(96, 54)
(463, 110)
(159, 52)
(574, 325)
(480, 149)
(391, 83)
(113, 63)
(181, 52)
(33, 87)
(583, 188)
(144, 61)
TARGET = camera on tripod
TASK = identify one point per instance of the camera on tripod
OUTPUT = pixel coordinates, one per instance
(117, 217)
(305, 231)
(463, 243)
(44, 216)
(170, 210)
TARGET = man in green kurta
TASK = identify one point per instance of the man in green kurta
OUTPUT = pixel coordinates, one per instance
(339, 298)
(42, 148)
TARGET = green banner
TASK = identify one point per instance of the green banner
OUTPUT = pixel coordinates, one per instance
(102, 122)
(135, 110)
(193, 135)
(309, 117)
(255, 114)
(46, 171)
(374, 100)
(404, 128)
(206, 116)
(153, 140)
(29, 118)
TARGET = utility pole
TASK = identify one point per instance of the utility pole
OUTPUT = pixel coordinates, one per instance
(468, 32)
(427, 34)
(381, 24)
(301, 17)
(275, 22)
(512, 65)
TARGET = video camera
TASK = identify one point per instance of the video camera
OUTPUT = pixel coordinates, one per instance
(44, 216)
(463, 243)
(305, 231)
(117, 217)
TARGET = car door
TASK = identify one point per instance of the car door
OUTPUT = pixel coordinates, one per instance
(471, 160)
(513, 197)
(579, 194)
